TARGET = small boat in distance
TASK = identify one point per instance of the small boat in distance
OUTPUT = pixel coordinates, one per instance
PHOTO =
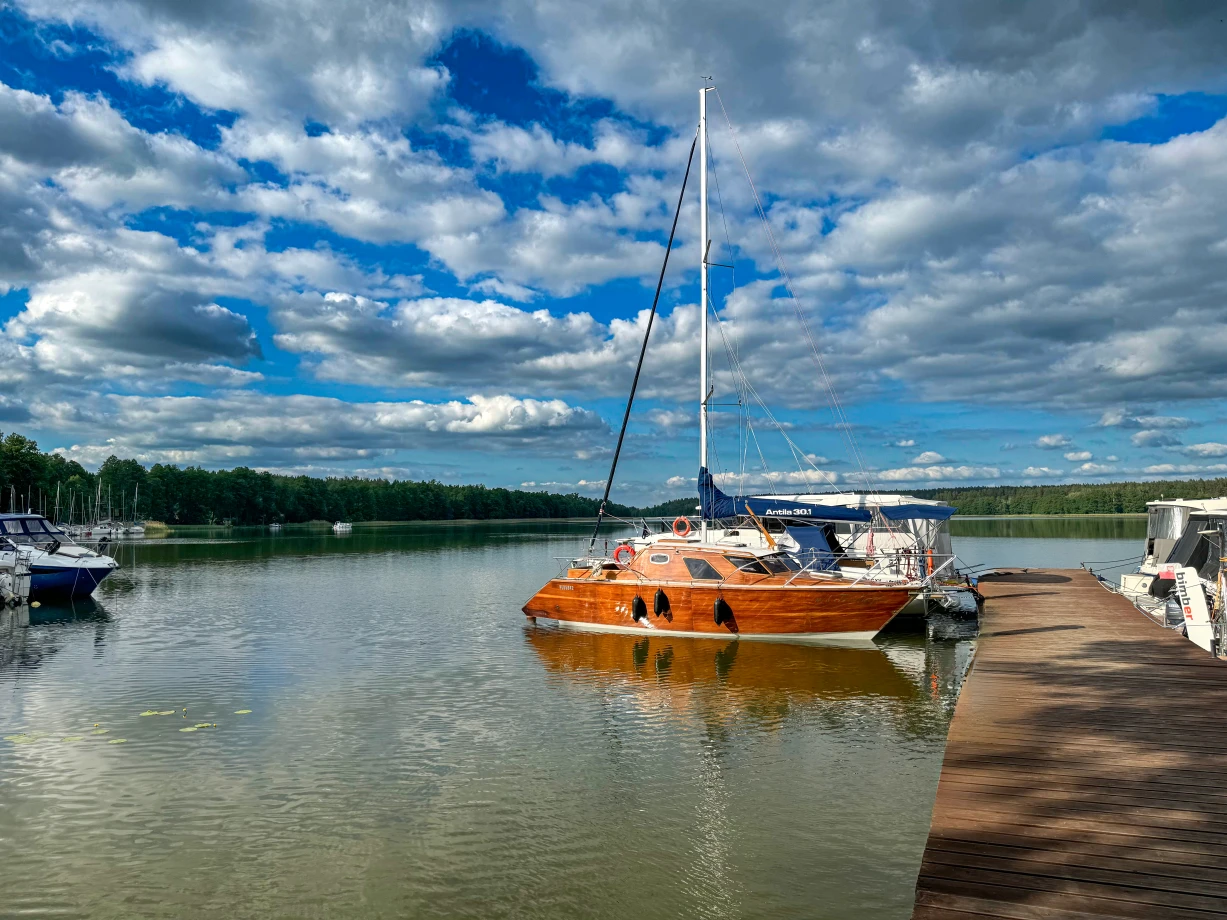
(342, 527)
(687, 584)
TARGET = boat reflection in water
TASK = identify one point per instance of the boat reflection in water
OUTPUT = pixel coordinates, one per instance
(24, 645)
(723, 681)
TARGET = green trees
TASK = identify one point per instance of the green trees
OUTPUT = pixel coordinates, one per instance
(193, 495)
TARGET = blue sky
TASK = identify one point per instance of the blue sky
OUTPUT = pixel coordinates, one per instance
(417, 241)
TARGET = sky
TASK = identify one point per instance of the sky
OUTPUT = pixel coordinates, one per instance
(420, 240)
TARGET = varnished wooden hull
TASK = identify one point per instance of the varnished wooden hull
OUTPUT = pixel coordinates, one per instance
(797, 613)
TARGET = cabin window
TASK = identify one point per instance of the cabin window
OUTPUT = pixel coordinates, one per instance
(659, 558)
(34, 525)
(13, 527)
(748, 564)
(702, 570)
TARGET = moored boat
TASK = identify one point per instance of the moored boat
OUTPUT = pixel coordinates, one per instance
(693, 585)
(694, 588)
(58, 566)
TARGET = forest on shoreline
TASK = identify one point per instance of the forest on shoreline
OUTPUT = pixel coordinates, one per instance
(192, 495)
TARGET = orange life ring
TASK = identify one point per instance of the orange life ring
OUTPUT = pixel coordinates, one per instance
(617, 554)
(682, 522)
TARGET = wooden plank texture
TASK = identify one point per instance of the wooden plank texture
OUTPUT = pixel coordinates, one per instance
(1085, 773)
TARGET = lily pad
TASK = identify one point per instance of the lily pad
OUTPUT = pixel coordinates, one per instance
(118, 741)
(165, 712)
(204, 724)
(190, 728)
(101, 731)
(21, 739)
(241, 712)
(74, 738)
(150, 712)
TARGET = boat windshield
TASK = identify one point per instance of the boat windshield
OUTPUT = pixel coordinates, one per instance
(748, 564)
(35, 530)
(779, 563)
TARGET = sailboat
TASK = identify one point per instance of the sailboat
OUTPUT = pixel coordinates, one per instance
(688, 584)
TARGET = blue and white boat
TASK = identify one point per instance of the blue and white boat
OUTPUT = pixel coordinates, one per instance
(59, 568)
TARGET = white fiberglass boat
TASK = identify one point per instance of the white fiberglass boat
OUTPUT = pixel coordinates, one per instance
(58, 566)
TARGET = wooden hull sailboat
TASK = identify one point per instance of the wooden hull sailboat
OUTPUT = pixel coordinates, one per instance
(691, 589)
(688, 585)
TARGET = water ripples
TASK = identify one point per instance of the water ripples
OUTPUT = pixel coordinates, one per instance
(413, 749)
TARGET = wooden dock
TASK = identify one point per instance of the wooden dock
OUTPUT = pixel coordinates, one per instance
(1085, 774)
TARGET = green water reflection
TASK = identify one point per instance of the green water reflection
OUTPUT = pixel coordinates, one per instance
(1090, 527)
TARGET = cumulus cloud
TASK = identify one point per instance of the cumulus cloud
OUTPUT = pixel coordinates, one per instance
(937, 474)
(1120, 418)
(1153, 437)
(1207, 449)
(272, 430)
(1094, 469)
(928, 457)
(1052, 441)
(1077, 456)
(1041, 472)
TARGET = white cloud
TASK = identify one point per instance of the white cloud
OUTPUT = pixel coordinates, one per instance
(1207, 449)
(905, 442)
(928, 457)
(1153, 437)
(1041, 472)
(1052, 441)
(1094, 469)
(1077, 456)
(284, 430)
(936, 474)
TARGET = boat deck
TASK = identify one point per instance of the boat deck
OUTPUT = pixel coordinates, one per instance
(1085, 774)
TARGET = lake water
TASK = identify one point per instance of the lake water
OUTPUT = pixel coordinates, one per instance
(413, 749)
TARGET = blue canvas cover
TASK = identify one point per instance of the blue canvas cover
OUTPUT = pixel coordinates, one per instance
(916, 512)
(815, 548)
(715, 504)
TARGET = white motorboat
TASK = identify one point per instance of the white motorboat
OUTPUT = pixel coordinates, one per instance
(342, 527)
(1179, 580)
(58, 566)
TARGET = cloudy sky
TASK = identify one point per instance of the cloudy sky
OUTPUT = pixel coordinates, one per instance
(420, 239)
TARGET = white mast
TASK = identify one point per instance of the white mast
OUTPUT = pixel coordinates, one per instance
(703, 244)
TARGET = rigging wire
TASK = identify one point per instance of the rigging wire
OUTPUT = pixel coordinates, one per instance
(630, 400)
(837, 408)
(741, 380)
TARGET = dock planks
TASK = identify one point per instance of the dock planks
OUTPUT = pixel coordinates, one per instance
(1085, 774)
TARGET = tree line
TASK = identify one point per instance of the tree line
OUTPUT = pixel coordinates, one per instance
(176, 495)
(192, 495)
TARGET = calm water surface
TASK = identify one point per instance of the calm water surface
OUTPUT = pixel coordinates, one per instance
(414, 750)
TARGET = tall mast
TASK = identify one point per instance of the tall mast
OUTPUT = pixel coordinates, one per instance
(703, 244)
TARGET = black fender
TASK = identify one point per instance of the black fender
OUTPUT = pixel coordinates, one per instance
(660, 603)
(639, 609)
(723, 612)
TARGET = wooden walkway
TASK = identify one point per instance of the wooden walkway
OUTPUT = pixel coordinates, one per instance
(1086, 770)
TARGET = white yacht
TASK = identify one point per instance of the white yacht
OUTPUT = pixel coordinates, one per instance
(58, 566)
